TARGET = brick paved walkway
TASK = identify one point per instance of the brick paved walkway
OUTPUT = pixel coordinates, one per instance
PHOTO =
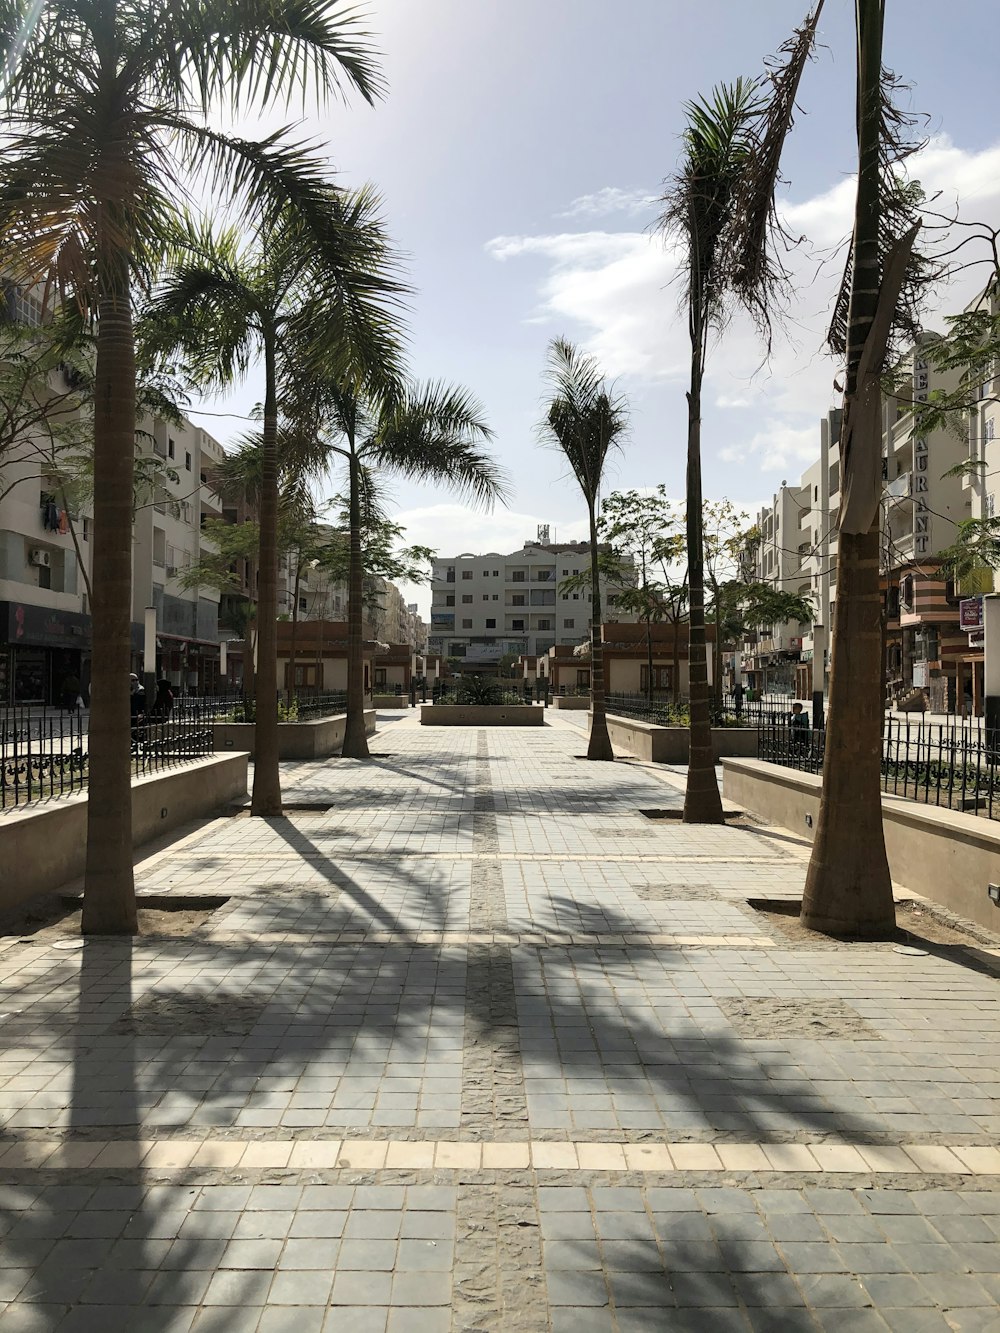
(473, 1044)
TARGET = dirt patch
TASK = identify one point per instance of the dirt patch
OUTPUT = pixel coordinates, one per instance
(767, 1017)
(166, 1015)
(676, 813)
(919, 925)
(674, 893)
(164, 916)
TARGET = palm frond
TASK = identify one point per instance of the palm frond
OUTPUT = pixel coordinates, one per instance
(584, 418)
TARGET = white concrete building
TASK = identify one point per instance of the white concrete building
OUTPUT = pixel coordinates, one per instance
(486, 606)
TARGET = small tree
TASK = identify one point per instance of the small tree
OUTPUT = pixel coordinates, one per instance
(586, 420)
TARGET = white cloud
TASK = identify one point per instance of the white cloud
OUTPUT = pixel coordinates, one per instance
(610, 200)
(612, 291)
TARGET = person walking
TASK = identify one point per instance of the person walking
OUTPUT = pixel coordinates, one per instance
(164, 703)
(70, 695)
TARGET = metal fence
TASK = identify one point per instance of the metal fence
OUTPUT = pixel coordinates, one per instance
(724, 712)
(949, 765)
(46, 757)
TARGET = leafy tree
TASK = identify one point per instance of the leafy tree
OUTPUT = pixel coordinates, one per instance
(105, 109)
(310, 289)
(427, 432)
(848, 889)
(720, 205)
(586, 420)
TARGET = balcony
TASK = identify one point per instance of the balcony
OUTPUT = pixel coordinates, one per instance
(901, 488)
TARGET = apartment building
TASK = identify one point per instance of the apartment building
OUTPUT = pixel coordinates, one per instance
(486, 606)
(922, 506)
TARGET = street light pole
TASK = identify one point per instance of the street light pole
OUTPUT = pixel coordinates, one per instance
(149, 655)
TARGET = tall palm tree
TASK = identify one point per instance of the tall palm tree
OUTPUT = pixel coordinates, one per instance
(720, 205)
(425, 432)
(848, 887)
(294, 304)
(587, 420)
(105, 106)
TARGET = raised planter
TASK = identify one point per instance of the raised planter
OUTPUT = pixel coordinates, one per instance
(481, 715)
(44, 845)
(390, 701)
(574, 702)
(947, 856)
(670, 745)
(315, 739)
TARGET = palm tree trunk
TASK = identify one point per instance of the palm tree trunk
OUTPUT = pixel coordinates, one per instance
(355, 741)
(599, 746)
(266, 796)
(702, 802)
(109, 888)
(848, 887)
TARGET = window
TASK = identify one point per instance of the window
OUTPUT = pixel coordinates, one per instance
(491, 624)
(170, 448)
(467, 624)
(583, 680)
(450, 574)
(517, 599)
(815, 493)
(661, 677)
(906, 592)
(466, 598)
(496, 573)
(990, 432)
(576, 597)
(449, 599)
(187, 461)
(302, 604)
(545, 624)
(576, 571)
(569, 624)
(457, 650)
(565, 596)
(380, 678)
(496, 597)
(517, 624)
(517, 576)
(86, 529)
(486, 597)
(466, 573)
(565, 572)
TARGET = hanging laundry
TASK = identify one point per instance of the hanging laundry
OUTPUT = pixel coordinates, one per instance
(63, 522)
(50, 516)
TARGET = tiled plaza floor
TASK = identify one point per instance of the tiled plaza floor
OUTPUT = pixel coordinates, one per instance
(476, 1045)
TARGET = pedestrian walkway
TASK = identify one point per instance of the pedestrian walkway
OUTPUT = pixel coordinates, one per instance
(473, 1043)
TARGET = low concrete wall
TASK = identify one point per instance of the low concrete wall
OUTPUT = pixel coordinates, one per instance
(574, 702)
(481, 715)
(44, 846)
(947, 856)
(315, 739)
(669, 745)
(391, 701)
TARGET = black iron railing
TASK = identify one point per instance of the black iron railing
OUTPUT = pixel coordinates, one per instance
(954, 766)
(725, 712)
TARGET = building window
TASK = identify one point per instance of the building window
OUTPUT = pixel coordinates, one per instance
(568, 624)
(380, 678)
(187, 461)
(496, 597)
(491, 624)
(517, 624)
(496, 573)
(486, 597)
(466, 597)
(302, 604)
(86, 529)
(565, 572)
(576, 597)
(583, 680)
(661, 677)
(170, 447)
(906, 592)
(467, 624)
(517, 599)
(450, 574)
(466, 573)
(449, 599)
(457, 650)
(517, 576)
(545, 624)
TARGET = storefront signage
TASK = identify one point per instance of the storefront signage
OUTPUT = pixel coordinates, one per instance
(970, 613)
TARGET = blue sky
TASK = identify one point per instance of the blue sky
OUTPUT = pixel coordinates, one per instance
(516, 151)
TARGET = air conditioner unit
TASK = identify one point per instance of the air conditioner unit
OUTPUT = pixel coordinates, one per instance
(43, 559)
(171, 571)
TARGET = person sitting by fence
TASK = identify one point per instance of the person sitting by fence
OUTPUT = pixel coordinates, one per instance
(798, 724)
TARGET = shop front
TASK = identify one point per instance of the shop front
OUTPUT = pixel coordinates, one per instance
(41, 653)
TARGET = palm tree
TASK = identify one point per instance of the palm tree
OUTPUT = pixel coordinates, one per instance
(720, 204)
(848, 888)
(426, 433)
(105, 107)
(293, 303)
(586, 420)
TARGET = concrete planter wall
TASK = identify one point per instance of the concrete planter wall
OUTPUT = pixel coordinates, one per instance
(315, 739)
(669, 745)
(44, 846)
(948, 856)
(391, 701)
(573, 702)
(481, 715)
